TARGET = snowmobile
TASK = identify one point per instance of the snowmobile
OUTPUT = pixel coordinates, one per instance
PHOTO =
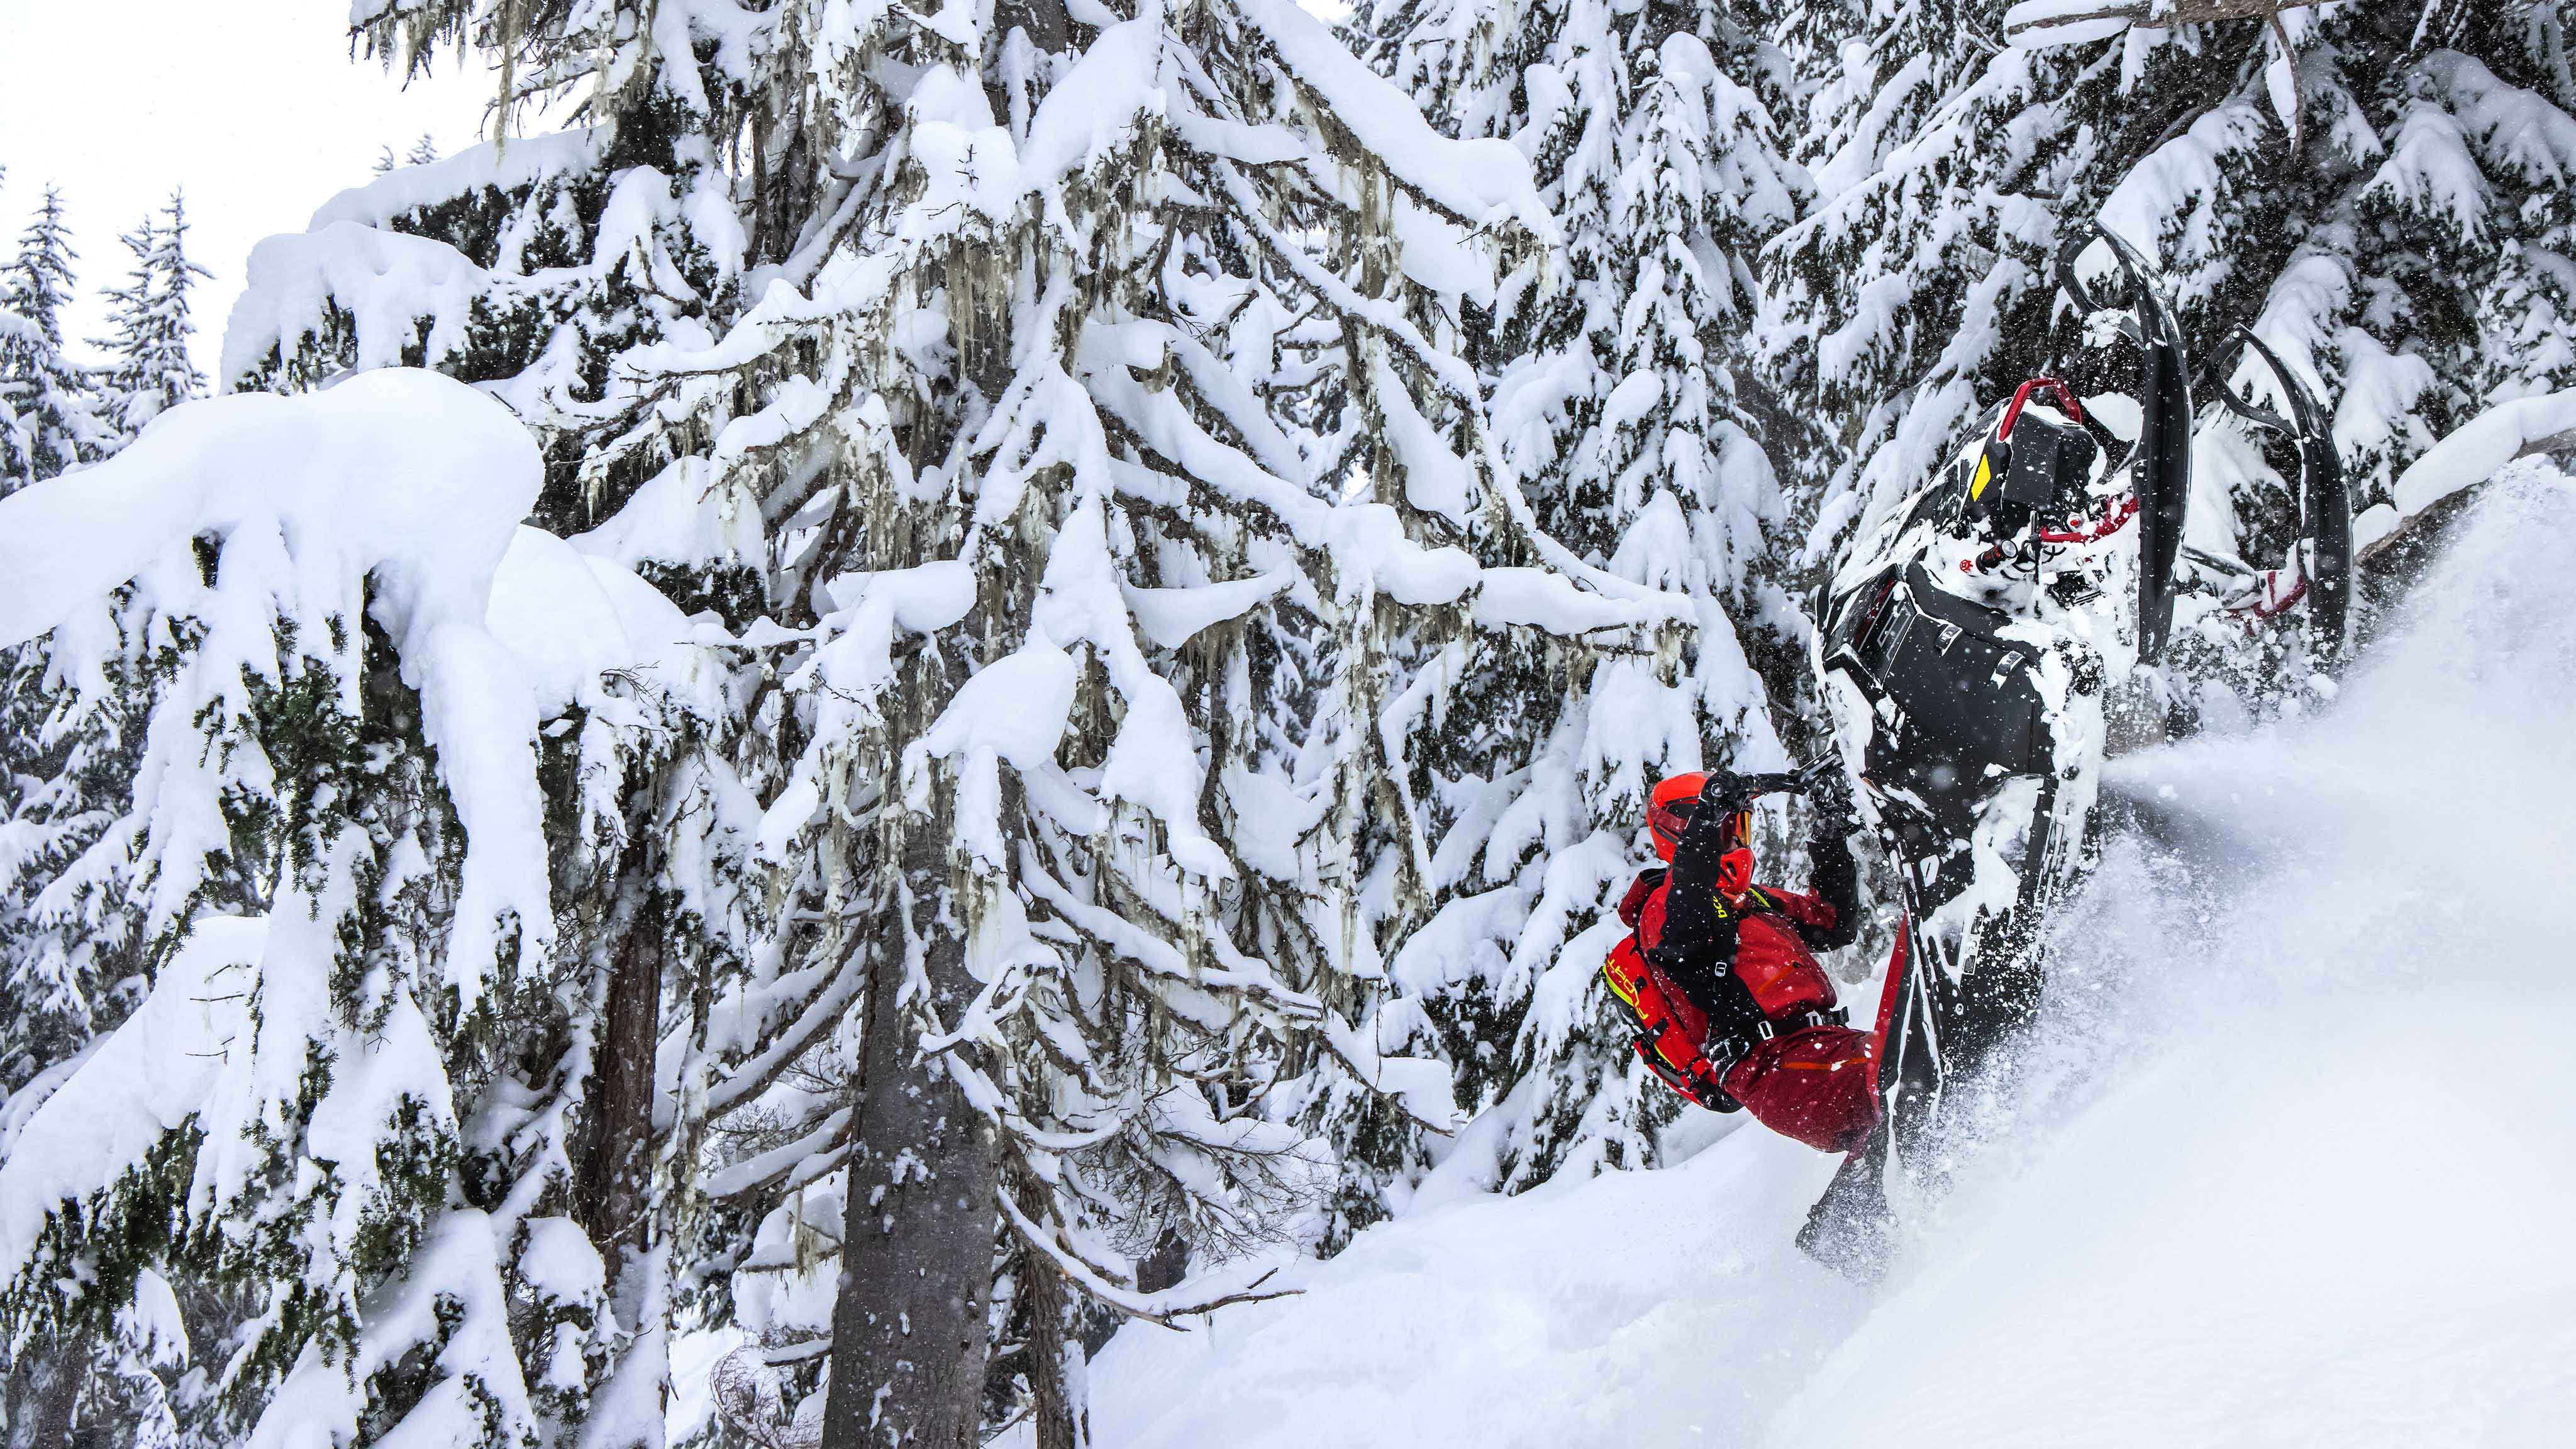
(1988, 645)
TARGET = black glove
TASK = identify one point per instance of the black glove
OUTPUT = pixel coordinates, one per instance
(1724, 792)
(1829, 792)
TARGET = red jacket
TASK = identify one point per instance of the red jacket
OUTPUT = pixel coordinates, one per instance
(1773, 928)
(1703, 990)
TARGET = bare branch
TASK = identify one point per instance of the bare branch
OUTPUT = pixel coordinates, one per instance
(2152, 14)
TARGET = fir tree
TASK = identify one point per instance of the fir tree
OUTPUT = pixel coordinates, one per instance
(47, 417)
(149, 369)
(2386, 251)
(1617, 400)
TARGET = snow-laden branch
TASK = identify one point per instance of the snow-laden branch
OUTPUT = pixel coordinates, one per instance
(1484, 184)
(1163, 1308)
(2036, 23)
(2471, 455)
(395, 495)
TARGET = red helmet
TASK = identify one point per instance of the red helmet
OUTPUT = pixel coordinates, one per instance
(1670, 810)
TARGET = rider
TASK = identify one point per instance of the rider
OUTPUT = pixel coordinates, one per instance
(1722, 975)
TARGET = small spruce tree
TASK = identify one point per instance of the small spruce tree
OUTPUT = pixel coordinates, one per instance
(48, 417)
(149, 369)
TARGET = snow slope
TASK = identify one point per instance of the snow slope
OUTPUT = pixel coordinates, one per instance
(2290, 1161)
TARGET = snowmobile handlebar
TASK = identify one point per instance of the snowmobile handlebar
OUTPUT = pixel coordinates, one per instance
(2066, 399)
(1800, 781)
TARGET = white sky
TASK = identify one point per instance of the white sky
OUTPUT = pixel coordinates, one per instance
(254, 106)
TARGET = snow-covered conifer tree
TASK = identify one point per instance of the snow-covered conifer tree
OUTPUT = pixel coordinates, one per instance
(970, 369)
(47, 418)
(72, 707)
(1031, 356)
(306, 1127)
(65, 724)
(2390, 249)
(537, 268)
(148, 368)
(1617, 402)
(65, 963)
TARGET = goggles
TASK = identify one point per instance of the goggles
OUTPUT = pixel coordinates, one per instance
(1669, 821)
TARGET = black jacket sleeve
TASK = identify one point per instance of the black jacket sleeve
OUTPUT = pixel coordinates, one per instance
(1697, 948)
(1834, 878)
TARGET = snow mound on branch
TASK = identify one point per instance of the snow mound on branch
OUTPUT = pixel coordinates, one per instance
(2473, 453)
(167, 1059)
(398, 291)
(404, 482)
(1481, 183)
(2286, 1164)
(2040, 24)
(408, 475)
(572, 618)
(524, 161)
(684, 515)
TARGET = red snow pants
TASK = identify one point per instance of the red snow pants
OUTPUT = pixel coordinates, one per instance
(1819, 1086)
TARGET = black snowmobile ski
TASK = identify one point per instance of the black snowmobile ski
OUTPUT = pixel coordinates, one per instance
(1968, 649)
(2161, 465)
(2320, 567)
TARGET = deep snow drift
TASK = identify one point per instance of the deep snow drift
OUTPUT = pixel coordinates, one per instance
(2290, 1160)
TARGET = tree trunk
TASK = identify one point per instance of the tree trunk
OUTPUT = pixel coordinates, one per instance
(1044, 20)
(613, 1182)
(1052, 1371)
(58, 1378)
(1165, 1266)
(909, 1338)
(613, 1163)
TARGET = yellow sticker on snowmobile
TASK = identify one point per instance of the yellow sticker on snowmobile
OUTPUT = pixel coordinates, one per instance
(1985, 475)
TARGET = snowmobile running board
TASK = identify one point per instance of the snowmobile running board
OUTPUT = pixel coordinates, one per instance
(1969, 655)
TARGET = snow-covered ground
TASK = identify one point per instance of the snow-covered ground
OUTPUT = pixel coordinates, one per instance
(2291, 1161)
